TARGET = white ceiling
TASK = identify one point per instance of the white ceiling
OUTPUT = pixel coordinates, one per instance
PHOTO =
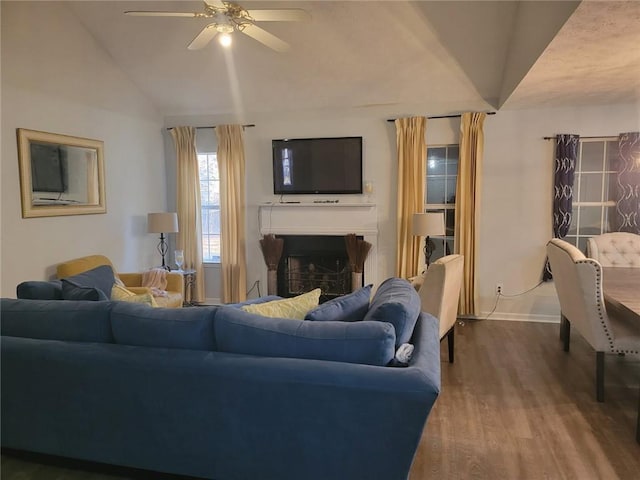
(421, 57)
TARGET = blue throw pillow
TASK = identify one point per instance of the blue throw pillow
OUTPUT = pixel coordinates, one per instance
(347, 308)
(101, 277)
(74, 292)
(398, 303)
(370, 343)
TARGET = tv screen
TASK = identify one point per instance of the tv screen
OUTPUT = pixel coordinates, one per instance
(317, 165)
(48, 168)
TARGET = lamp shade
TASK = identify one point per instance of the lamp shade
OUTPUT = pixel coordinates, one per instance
(163, 222)
(428, 224)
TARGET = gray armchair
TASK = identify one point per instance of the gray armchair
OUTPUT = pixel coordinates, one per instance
(578, 282)
(439, 292)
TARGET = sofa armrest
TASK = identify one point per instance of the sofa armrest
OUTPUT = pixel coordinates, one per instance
(175, 283)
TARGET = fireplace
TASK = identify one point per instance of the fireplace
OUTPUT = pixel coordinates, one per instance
(329, 223)
(314, 261)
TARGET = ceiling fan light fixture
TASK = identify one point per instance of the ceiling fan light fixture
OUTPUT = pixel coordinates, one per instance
(225, 39)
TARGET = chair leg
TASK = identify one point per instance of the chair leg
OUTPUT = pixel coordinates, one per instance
(562, 325)
(600, 376)
(450, 342)
(638, 425)
(565, 328)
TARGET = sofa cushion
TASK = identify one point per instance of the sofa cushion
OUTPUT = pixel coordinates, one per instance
(347, 308)
(57, 320)
(71, 291)
(371, 343)
(398, 303)
(101, 277)
(40, 290)
(139, 325)
(293, 308)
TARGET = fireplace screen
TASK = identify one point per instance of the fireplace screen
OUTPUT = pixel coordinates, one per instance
(332, 276)
(310, 262)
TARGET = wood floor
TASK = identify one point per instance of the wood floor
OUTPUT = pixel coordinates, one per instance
(513, 406)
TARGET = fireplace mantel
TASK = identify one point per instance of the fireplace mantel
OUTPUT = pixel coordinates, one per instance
(325, 219)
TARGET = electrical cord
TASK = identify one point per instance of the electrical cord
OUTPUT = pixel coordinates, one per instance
(256, 285)
(498, 295)
(521, 293)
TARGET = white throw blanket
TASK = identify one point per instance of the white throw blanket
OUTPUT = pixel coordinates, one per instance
(156, 280)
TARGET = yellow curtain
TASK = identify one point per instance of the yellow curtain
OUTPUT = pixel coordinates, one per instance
(232, 193)
(468, 191)
(189, 237)
(411, 147)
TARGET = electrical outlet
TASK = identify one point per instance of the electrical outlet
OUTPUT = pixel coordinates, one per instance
(499, 288)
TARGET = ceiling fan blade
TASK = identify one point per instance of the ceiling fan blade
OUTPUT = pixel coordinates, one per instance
(215, 3)
(203, 37)
(281, 15)
(266, 38)
(140, 13)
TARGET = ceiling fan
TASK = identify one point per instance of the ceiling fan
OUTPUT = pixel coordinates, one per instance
(229, 17)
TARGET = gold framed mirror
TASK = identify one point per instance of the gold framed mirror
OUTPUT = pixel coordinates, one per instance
(60, 174)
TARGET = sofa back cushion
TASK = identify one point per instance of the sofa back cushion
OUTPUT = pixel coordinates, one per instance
(396, 302)
(40, 290)
(57, 320)
(347, 308)
(371, 343)
(141, 325)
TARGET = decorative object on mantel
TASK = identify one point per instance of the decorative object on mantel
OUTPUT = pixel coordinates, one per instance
(272, 251)
(163, 222)
(427, 225)
(357, 251)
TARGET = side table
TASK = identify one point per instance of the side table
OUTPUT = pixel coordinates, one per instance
(189, 279)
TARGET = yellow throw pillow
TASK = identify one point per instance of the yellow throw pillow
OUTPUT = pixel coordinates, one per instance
(294, 308)
(121, 294)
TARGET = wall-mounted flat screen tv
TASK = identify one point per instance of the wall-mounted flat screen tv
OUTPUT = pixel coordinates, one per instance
(48, 168)
(317, 165)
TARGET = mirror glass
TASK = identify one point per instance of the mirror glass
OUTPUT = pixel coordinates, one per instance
(60, 174)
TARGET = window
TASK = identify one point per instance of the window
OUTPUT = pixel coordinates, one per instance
(442, 175)
(210, 204)
(594, 190)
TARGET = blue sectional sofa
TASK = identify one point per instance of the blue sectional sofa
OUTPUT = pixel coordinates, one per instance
(216, 392)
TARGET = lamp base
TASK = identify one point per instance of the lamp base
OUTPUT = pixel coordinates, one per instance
(429, 247)
(162, 249)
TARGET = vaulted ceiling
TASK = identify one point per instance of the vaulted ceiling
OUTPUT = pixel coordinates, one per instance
(399, 57)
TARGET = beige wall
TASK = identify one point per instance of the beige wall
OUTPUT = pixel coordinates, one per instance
(55, 78)
(516, 197)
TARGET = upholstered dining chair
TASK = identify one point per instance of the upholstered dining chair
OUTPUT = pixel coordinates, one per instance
(439, 290)
(615, 249)
(132, 281)
(578, 282)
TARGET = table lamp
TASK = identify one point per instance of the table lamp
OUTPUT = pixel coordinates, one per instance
(427, 225)
(162, 223)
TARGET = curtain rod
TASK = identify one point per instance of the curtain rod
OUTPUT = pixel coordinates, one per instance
(588, 138)
(213, 126)
(442, 116)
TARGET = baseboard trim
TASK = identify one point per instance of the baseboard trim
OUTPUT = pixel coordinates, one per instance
(520, 317)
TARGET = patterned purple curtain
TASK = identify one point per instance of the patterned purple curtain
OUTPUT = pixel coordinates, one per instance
(565, 167)
(628, 201)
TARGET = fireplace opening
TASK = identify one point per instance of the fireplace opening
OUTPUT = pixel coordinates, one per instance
(314, 261)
